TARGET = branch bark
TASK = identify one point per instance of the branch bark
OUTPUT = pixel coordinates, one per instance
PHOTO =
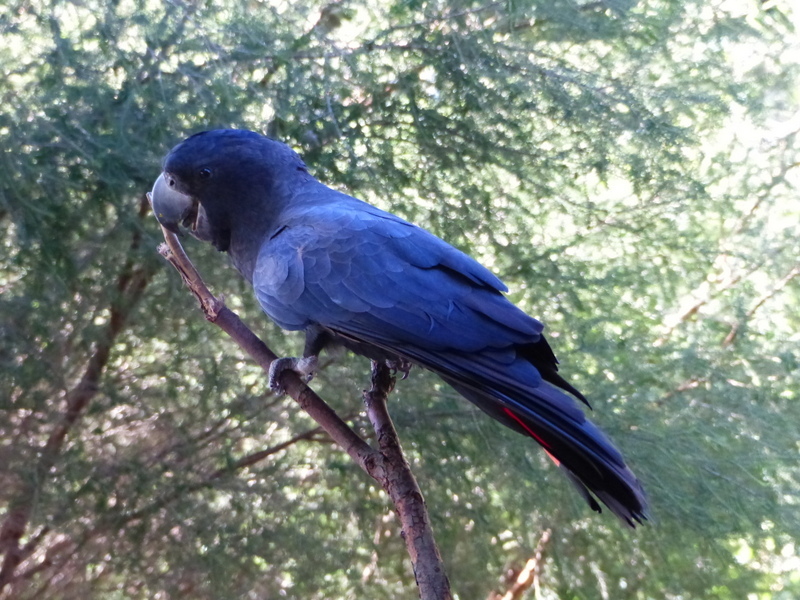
(386, 465)
(396, 478)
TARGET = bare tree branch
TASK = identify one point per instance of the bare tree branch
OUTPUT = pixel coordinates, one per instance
(397, 479)
(387, 465)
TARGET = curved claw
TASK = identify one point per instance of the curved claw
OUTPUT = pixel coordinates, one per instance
(305, 368)
(400, 365)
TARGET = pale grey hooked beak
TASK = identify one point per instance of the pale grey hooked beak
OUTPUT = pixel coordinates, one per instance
(171, 207)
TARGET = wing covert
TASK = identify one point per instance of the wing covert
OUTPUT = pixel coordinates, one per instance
(362, 272)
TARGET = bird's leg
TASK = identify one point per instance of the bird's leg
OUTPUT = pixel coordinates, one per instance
(306, 367)
(400, 365)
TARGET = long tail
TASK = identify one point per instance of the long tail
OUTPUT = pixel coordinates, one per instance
(520, 387)
(588, 457)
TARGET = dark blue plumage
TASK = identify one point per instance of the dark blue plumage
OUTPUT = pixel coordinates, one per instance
(349, 273)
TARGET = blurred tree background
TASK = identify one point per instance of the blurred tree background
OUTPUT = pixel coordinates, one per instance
(630, 169)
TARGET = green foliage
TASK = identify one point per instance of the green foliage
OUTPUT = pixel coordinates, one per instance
(629, 169)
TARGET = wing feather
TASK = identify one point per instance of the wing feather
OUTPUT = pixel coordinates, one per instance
(381, 283)
(376, 272)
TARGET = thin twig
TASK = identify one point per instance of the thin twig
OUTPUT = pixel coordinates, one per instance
(216, 312)
(387, 465)
(528, 577)
(776, 289)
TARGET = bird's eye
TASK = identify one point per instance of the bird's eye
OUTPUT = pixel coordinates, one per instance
(205, 173)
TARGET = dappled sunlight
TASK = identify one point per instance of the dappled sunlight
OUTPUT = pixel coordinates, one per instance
(629, 170)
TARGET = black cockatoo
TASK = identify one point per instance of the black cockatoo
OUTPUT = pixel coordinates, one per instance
(350, 274)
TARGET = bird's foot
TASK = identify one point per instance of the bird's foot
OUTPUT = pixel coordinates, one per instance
(400, 365)
(305, 368)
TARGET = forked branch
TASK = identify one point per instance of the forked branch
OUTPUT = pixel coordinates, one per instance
(386, 464)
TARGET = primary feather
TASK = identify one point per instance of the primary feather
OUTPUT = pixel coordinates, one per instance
(349, 273)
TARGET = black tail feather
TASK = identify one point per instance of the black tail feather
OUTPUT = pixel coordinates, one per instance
(587, 456)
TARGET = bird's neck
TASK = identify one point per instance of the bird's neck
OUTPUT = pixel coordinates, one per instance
(250, 228)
